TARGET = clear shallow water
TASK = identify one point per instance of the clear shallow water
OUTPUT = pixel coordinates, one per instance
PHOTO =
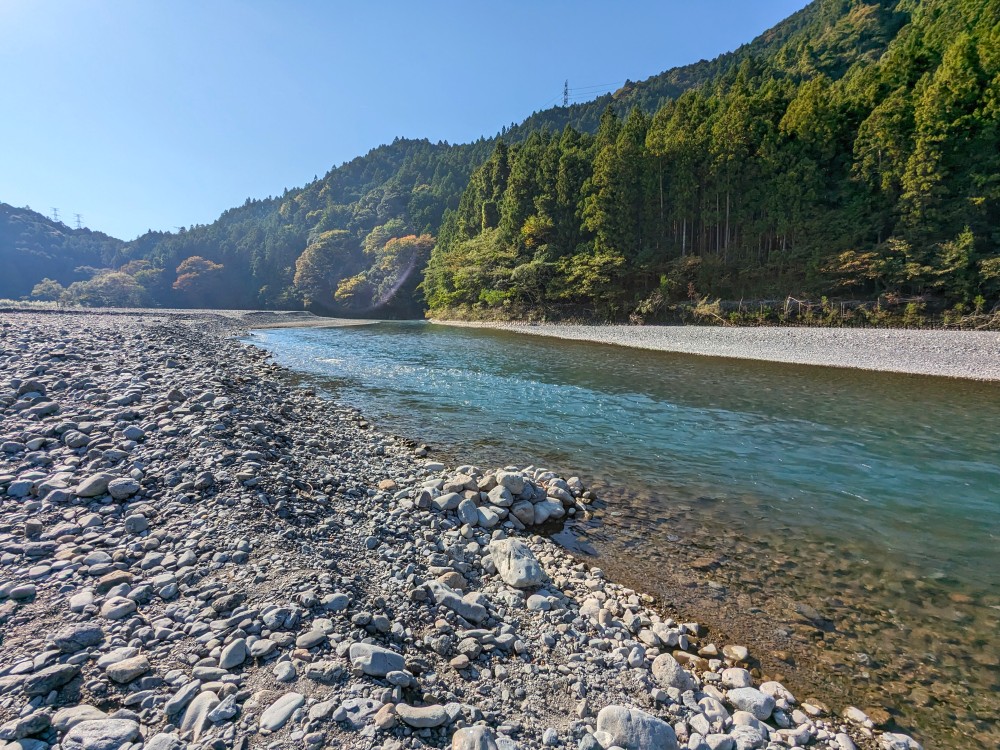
(877, 486)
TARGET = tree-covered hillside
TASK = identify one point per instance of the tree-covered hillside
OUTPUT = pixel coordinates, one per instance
(860, 158)
(33, 247)
(851, 151)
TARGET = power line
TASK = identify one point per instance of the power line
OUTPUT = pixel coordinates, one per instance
(55, 214)
(79, 221)
(603, 86)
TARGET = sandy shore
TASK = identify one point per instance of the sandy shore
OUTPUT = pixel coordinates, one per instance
(973, 355)
(296, 319)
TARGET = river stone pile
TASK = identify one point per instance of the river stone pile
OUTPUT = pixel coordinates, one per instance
(194, 554)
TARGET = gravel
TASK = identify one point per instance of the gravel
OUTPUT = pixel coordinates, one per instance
(972, 355)
(293, 581)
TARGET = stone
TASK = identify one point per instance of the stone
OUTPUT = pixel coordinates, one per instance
(375, 660)
(101, 734)
(752, 701)
(336, 602)
(776, 690)
(279, 712)
(67, 718)
(116, 655)
(109, 580)
(129, 669)
(747, 737)
(263, 647)
(181, 698)
(632, 729)
(117, 608)
(468, 513)
(897, 741)
(234, 654)
(385, 718)
(121, 489)
(322, 710)
(284, 671)
(501, 497)
(516, 563)
(196, 718)
(474, 738)
(310, 639)
(22, 592)
(524, 511)
(355, 711)
(487, 517)
(736, 653)
(135, 524)
(422, 717)
(164, 741)
(720, 741)
(34, 723)
(75, 638)
(93, 486)
(735, 677)
(464, 606)
(669, 673)
(512, 481)
(46, 680)
(225, 710)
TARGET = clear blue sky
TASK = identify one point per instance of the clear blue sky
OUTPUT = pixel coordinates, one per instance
(145, 114)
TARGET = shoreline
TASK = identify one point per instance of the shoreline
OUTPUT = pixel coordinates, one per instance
(272, 563)
(969, 355)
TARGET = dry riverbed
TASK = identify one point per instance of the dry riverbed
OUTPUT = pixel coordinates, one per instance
(974, 355)
(195, 553)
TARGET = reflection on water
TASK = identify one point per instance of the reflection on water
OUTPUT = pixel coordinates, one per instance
(875, 495)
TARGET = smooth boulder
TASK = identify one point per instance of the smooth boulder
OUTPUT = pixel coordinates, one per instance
(101, 734)
(751, 700)
(375, 661)
(632, 729)
(516, 563)
(668, 672)
(279, 712)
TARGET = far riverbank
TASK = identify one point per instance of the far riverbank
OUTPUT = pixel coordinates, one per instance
(972, 355)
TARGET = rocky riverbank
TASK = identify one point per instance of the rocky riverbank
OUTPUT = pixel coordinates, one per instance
(194, 553)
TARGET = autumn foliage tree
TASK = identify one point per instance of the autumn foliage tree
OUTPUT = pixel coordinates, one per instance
(197, 275)
(393, 272)
(330, 257)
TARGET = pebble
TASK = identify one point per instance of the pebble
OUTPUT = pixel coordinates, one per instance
(279, 712)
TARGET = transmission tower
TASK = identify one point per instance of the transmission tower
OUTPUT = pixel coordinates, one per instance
(566, 93)
(79, 221)
(55, 214)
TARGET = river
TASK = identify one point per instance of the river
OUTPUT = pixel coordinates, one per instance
(847, 522)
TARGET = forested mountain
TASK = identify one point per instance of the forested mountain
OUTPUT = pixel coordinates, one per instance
(862, 157)
(821, 31)
(851, 151)
(33, 247)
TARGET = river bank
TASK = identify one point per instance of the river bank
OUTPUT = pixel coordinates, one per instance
(974, 355)
(193, 551)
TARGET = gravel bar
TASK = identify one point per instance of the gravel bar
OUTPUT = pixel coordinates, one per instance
(195, 553)
(972, 355)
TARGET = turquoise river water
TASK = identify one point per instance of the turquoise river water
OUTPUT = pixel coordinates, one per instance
(848, 521)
